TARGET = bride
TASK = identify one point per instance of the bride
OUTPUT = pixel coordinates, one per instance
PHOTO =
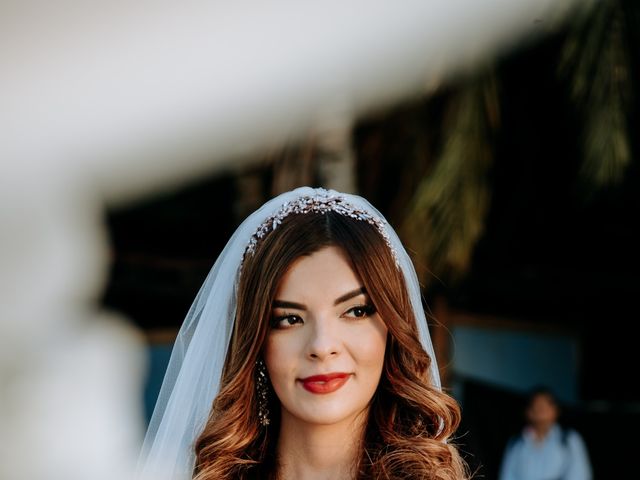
(305, 355)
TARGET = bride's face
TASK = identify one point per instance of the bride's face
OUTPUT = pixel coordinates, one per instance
(325, 348)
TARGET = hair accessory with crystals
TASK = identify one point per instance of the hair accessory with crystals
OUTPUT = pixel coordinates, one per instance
(194, 372)
(321, 201)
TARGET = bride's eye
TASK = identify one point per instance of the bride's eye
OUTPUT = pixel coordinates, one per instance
(285, 321)
(361, 311)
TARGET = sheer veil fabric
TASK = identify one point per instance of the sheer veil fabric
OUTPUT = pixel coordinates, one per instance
(193, 375)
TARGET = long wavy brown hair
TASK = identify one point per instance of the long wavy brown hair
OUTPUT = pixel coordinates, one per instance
(410, 422)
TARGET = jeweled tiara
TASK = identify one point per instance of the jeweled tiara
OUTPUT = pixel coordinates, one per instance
(322, 202)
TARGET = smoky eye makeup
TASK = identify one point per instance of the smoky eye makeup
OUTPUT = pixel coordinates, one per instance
(282, 317)
(284, 320)
(362, 310)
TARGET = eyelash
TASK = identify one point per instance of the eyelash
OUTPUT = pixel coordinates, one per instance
(367, 308)
(275, 321)
(367, 311)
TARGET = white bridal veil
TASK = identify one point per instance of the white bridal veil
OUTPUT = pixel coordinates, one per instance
(192, 379)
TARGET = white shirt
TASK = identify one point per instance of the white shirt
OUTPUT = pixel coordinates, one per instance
(553, 458)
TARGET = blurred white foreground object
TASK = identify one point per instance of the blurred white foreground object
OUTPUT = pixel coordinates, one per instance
(142, 95)
(70, 376)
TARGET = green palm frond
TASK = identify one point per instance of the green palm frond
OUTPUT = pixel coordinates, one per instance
(447, 213)
(595, 59)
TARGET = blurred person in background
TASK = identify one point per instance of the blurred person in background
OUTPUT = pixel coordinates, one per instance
(545, 450)
(329, 371)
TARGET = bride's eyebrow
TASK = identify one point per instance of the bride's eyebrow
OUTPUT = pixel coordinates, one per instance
(350, 295)
(338, 301)
(285, 304)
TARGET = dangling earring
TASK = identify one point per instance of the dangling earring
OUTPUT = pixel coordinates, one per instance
(262, 390)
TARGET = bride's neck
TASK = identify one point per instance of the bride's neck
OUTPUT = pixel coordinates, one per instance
(319, 452)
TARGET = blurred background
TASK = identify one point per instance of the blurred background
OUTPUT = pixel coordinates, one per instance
(510, 172)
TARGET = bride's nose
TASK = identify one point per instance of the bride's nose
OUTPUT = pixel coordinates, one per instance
(323, 341)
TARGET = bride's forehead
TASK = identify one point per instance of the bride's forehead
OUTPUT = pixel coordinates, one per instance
(326, 270)
(326, 260)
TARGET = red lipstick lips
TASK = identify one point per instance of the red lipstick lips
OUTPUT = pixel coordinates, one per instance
(328, 383)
